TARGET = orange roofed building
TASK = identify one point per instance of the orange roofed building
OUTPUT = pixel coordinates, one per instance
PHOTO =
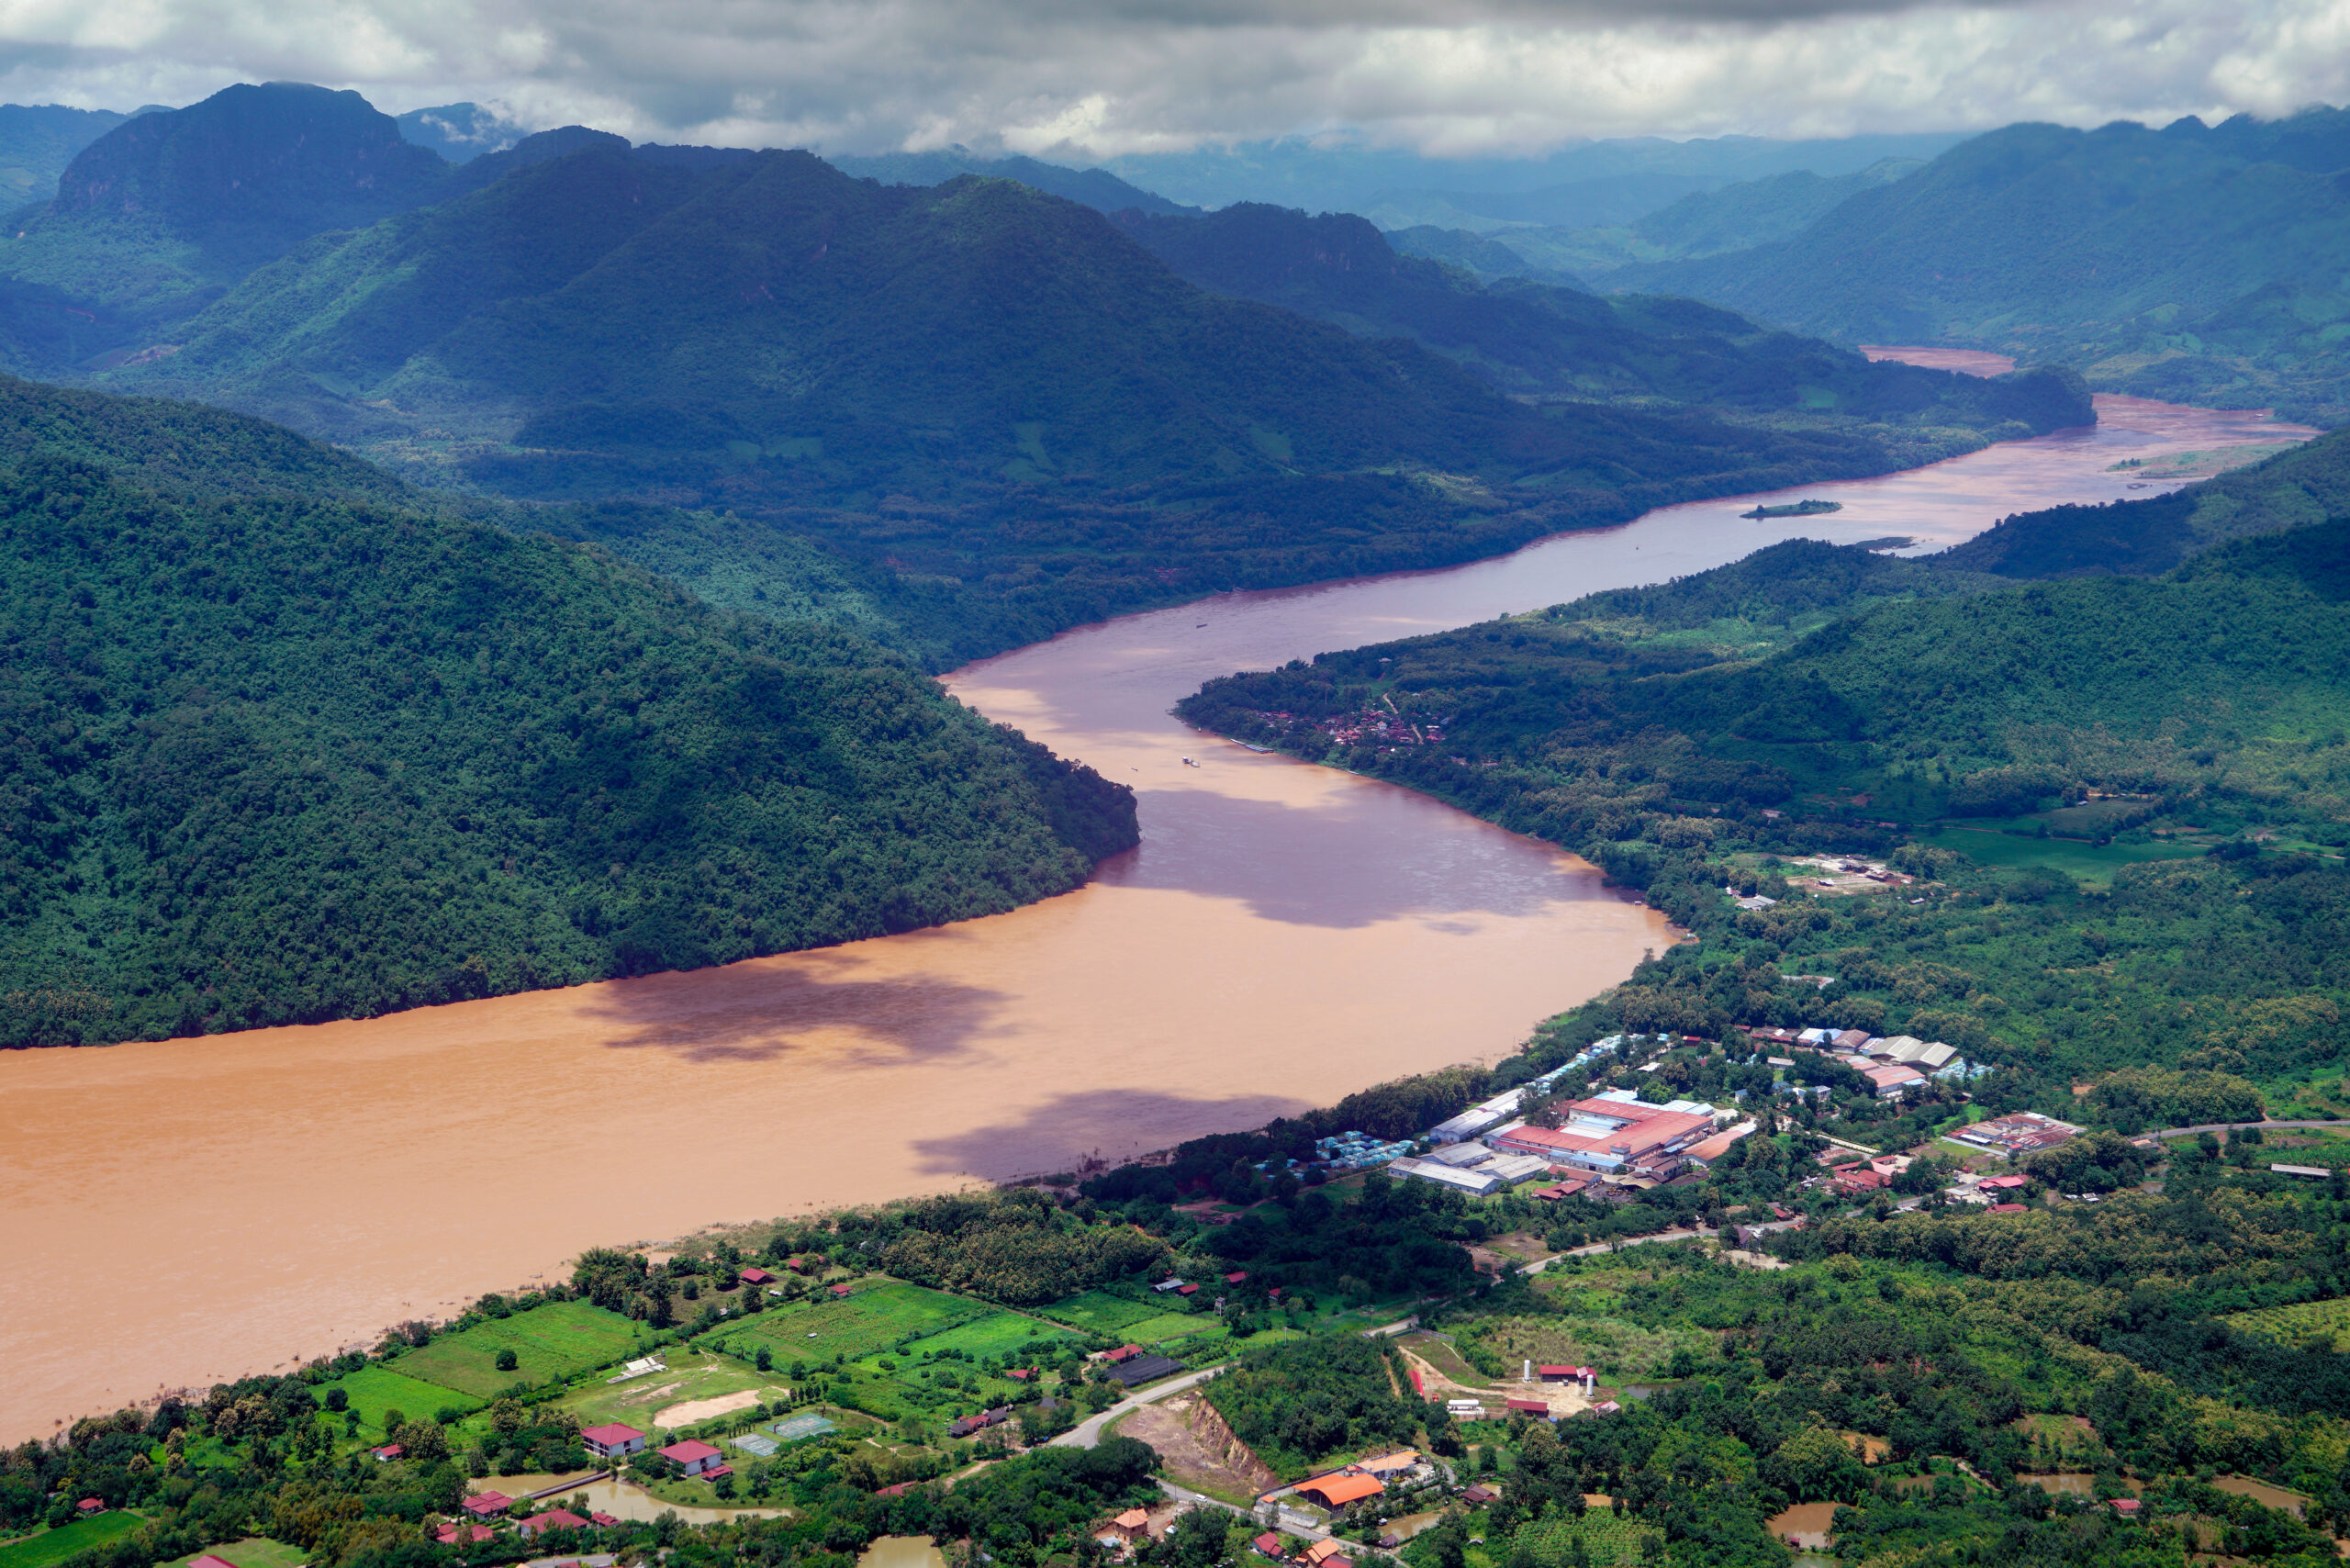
(1337, 1491)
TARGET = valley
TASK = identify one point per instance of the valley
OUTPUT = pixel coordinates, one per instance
(1267, 901)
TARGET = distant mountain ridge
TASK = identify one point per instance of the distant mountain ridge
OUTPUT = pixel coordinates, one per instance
(2194, 263)
(1532, 340)
(1096, 188)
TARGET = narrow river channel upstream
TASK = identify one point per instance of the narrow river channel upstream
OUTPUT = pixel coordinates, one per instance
(183, 1212)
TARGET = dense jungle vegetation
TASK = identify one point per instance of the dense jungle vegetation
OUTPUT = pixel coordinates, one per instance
(289, 749)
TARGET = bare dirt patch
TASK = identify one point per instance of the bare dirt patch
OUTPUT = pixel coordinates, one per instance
(1189, 1458)
(694, 1410)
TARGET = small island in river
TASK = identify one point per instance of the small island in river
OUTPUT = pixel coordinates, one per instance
(1797, 508)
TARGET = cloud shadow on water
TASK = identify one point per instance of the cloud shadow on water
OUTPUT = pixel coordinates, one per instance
(1061, 1132)
(1368, 855)
(766, 1009)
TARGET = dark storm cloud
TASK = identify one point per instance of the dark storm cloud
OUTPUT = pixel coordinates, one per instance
(1108, 76)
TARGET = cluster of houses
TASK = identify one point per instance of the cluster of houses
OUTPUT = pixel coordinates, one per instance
(1894, 1064)
(486, 1510)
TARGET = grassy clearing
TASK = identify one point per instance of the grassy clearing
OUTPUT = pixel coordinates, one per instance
(637, 1401)
(1985, 845)
(876, 1319)
(557, 1340)
(57, 1545)
(375, 1389)
(1168, 1325)
(253, 1551)
(1617, 1347)
(2294, 1323)
(1099, 1313)
(995, 1334)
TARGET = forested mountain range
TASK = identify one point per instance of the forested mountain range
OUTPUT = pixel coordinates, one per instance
(292, 745)
(2194, 263)
(982, 402)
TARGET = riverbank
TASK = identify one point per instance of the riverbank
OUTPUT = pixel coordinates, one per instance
(292, 1190)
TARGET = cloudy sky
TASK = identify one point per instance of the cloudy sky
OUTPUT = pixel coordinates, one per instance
(1104, 77)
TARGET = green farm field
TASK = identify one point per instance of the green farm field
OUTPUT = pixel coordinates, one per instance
(1099, 1313)
(1986, 846)
(1606, 1538)
(57, 1545)
(558, 1340)
(1169, 1326)
(2297, 1323)
(876, 1319)
(993, 1335)
(375, 1389)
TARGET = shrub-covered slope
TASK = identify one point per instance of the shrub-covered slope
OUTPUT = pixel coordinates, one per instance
(289, 750)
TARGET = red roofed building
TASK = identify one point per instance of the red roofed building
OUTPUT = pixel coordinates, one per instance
(1235, 1277)
(603, 1519)
(89, 1506)
(841, 1291)
(756, 1277)
(611, 1440)
(1187, 1290)
(1268, 1545)
(388, 1454)
(448, 1535)
(1122, 1353)
(2124, 1505)
(1608, 1136)
(487, 1505)
(695, 1457)
(1529, 1407)
(553, 1518)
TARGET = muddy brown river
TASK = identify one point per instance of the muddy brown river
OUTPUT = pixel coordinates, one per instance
(183, 1212)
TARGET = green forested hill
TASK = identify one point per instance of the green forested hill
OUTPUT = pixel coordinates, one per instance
(1535, 339)
(2194, 263)
(289, 750)
(1809, 669)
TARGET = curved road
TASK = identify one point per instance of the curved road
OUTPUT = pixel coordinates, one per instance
(1087, 1433)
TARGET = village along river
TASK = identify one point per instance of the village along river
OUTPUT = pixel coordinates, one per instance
(183, 1211)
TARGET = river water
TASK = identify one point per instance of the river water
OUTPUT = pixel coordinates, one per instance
(181, 1212)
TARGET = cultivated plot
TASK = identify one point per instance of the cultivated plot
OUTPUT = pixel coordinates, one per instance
(558, 1340)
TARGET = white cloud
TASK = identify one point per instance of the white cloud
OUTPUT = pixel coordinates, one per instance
(1103, 77)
